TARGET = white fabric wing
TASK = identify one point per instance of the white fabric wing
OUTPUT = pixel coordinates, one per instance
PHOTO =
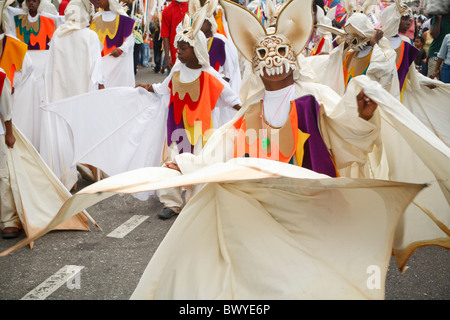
(123, 124)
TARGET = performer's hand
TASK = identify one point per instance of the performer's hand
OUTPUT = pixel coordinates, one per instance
(434, 75)
(10, 140)
(237, 107)
(146, 86)
(376, 37)
(366, 106)
(116, 53)
(172, 165)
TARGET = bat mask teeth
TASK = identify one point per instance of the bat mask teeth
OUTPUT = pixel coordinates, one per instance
(274, 55)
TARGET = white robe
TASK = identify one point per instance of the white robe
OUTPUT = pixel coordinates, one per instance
(74, 65)
(30, 95)
(27, 173)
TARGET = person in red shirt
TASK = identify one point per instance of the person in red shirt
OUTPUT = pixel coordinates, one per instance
(172, 15)
(62, 7)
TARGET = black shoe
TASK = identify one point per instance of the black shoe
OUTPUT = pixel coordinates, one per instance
(166, 213)
(11, 232)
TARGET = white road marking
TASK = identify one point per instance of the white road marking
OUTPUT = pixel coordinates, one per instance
(46, 288)
(127, 226)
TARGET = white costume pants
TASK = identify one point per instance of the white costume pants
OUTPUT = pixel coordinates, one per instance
(8, 216)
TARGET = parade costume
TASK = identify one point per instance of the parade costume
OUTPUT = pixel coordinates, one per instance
(137, 120)
(325, 43)
(388, 68)
(223, 55)
(115, 31)
(263, 229)
(22, 173)
(195, 110)
(12, 56)
(76, 43)
(354, 55)
(36, 32)
(405, 52)
(429, 105)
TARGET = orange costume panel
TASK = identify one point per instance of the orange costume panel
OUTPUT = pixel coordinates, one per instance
(190, 108)
(12, 54)
(36, 35)
(355, 66)
(113, 33)
(298, 141)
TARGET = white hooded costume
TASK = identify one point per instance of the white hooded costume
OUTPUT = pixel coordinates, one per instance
(114, 29)
(428, 105)
(74, 65)
(30, 94)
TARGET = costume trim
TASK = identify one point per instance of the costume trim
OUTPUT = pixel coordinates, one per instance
(37, 34)
(355, 66)
(12, 53)
(113, 33)
(299, 136)
(191, 105)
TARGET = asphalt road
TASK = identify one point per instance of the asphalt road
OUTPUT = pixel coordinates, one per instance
(111, 267)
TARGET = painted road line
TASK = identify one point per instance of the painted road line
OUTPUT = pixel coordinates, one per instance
(65, 275)
(127, 226)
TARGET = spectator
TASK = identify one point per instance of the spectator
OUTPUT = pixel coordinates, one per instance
(172, 15)
(440, 27)
(138, 41)
(421, 59)
(428, 39)
(145, 50)
(411, 32)
(157, 43)
(443, 58)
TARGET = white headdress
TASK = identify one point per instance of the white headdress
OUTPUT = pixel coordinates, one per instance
(391, 16)
(190, 32)
(274, 51)
(77, 15)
